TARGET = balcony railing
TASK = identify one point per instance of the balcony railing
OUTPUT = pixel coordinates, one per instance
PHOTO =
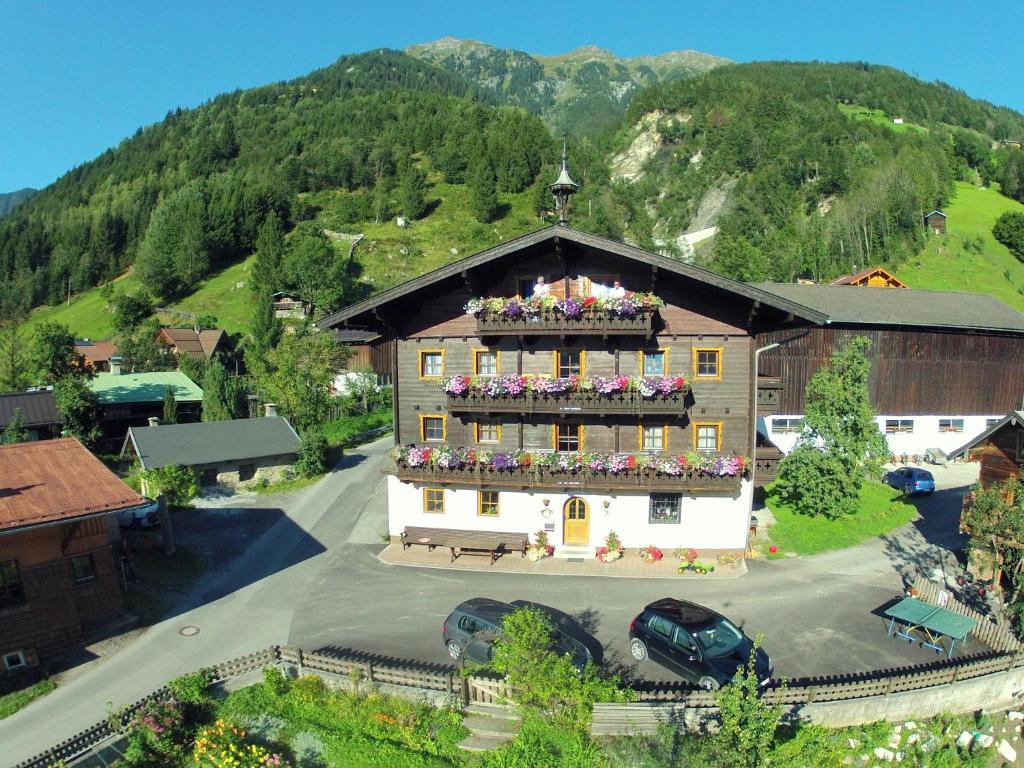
(539, 477)
(766, 465)
(550, 321)
(769, 395)
(572, 402)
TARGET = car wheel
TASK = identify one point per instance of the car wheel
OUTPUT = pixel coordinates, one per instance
(708, 683)
(638, 649)
(454, 650)
(908, 490)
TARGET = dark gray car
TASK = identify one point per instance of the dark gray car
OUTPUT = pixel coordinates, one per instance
(471, 629)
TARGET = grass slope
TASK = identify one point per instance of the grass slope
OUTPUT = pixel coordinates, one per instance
(878, 117)
(948, 264)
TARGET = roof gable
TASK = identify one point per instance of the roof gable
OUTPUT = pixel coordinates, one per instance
(863, 278)
(1013, 418)
(211, 442)
(558, 233)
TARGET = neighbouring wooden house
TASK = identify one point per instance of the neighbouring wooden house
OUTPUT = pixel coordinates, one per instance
(935, 222)
(60, 573)
(369, 350)
(999, 449)
(39, 414)
(132, 399)
(872, 277)
(238, 453)
(290, 306)
(201, 345)
(96, 354)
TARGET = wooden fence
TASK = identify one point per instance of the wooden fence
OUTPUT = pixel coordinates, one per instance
(987, 630)
(655, 701)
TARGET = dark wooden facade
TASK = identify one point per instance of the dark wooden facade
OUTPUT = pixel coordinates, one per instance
(377, 355)
(914, 371)
(1001, 454)
(55, 609)
(935, 222)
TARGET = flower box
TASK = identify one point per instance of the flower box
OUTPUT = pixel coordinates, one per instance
(538, 394)
(544, 315)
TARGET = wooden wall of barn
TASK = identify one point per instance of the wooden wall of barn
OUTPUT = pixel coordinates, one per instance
(913, 371)
(998, 455)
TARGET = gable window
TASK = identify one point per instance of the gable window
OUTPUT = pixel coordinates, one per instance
(83, 568)
(433, 501)
(707, 437)
(432, 428)
(569, 363)
(431, 363)
(951, 425)
(707, 363)
(488, 431)
(783, 426)
(655, 363)
(485, 362)
(487, 503)
(11, 592)
(568, 437)
(665, 508)
(653, 438)
(894, 426)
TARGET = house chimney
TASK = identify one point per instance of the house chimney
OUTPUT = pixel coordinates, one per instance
(115, 364)
(154, 421)
(269, 409)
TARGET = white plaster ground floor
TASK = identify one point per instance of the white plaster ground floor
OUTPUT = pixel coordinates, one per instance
(911, 435)
(707, 523)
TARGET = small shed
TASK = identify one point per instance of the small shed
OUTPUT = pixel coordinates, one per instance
(369, 350)
(935, 222)
(872, 277)
(237, 453)
(290, 305)
(999, 449)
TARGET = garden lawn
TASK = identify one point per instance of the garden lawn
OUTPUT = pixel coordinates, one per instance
(343, 431)
(15, 700)
(882, 509)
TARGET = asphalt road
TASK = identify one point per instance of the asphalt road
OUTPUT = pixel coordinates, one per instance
(313, 580)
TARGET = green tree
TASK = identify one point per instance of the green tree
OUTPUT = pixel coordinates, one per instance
(130, 310)
(222, 393)
(77, 405)
(309, 266)
(735, 257)
(270, 247)
(174, 481)
(1009, 230)
(748, 724)
(483, 191)
(14, 359)
(312, 460)
(15, 431)
(412, 192)
(264, 327)
(297, 375)
(841, 444)
(994, 519)
(53, 355)
(141, 352)
(170, 406)
(175, 253)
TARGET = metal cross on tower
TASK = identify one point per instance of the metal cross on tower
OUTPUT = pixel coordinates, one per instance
(564, 187)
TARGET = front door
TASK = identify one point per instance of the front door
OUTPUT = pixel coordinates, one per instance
(576, 528)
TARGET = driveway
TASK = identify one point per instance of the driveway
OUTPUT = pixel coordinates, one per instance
(313, 580)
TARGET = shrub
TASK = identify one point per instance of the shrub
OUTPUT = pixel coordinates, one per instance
(156, 735)
(224, 745)
(312, 459)
(176, 482)
(1009, 230)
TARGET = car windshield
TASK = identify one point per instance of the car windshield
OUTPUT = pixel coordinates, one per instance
(719, 638)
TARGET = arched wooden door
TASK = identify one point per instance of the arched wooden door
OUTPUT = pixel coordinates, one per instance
(576, 523)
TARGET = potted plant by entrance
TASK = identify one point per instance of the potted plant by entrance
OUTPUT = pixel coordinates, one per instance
(612, 549)
(651, 554)
(540, 548)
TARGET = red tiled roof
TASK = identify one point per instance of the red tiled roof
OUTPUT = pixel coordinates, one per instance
(97, 351)
(55, 480)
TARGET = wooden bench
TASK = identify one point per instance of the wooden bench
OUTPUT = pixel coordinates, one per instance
(492, 543)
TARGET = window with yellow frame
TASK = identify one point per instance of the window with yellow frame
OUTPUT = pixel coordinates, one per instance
(707, 436)
(433, 501)
(487, 431)
(707, 363)
(570, 363)
(653, 437)
(488, 503)
(433, 428)
(486, 362)
(567, 437)
(431, 364)
(654, 363)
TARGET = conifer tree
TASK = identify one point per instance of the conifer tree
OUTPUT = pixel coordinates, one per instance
(170, 406)
(412, 190)
(269, 250)
(483, 189)
(265, 328)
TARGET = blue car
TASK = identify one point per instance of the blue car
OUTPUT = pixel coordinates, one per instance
(911, 480)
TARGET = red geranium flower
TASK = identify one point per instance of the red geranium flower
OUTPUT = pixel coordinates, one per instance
(631, 462)
(589, 302)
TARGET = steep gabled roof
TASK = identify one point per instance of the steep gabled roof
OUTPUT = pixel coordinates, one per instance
(188, 342)
(1013, 417)
(37, 408)
(864, 274)
(938, 212)
(907, 307)
(51, 481)
(212, 442)
(96, 351)
(569, 234)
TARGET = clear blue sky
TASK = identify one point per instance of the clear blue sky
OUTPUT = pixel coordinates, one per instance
(77, 77)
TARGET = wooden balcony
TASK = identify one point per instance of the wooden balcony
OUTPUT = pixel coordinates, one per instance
(536, 477)
(769, 395)
(550, 322)
(573, 402)
(766, 464)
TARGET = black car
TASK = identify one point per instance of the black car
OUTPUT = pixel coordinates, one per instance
(695, 642)
(470, 631)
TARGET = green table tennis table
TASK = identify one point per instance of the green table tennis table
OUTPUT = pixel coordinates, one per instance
(928, 624)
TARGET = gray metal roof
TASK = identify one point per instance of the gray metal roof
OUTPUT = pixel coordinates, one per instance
(211, 442)
(37, 408)
(560, 231)
(902, 306)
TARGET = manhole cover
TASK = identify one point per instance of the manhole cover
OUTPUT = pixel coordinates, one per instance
(189, 630)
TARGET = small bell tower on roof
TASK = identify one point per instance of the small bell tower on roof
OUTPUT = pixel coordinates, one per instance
(564, 187)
